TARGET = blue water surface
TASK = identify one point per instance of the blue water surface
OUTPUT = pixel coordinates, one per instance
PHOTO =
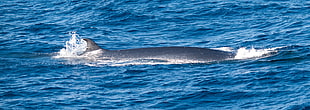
(32, 32)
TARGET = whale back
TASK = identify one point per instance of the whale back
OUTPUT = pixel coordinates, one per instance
(172, 53)
(185, 53)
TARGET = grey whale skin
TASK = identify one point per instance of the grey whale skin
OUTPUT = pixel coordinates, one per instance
(194, 54)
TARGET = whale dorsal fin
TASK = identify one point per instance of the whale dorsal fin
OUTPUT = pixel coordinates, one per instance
(91, 45)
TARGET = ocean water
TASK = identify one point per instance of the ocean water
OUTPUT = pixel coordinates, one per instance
(40, 42)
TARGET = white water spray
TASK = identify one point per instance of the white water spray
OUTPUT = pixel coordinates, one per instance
(74, 47)
(243, 53)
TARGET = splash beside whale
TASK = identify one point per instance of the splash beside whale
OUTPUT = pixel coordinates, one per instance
(185, 54)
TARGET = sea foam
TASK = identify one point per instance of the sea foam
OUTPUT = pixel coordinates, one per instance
(244, 53)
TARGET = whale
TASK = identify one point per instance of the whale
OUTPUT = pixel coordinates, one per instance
(187, 54)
